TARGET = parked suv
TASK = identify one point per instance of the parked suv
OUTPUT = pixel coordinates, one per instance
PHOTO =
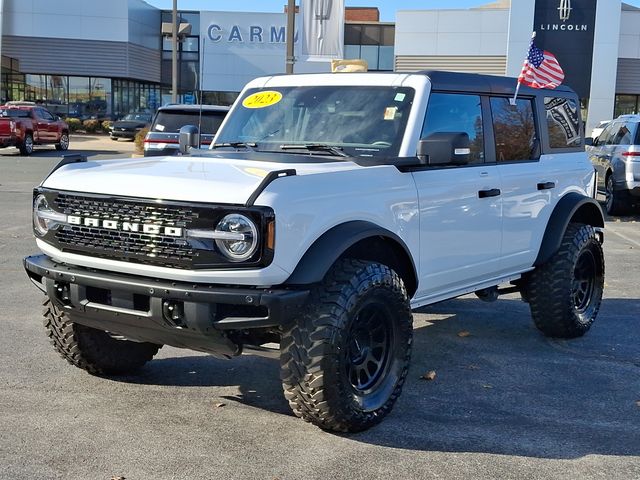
(328, 208)
(616, 156)
(162, 138)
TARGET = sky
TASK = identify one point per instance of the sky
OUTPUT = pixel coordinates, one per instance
(387, 7)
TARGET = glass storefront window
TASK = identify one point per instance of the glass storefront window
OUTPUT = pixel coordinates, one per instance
(100, 103)
(79, 94)
(57, 101)
(35, 88)
(190, 44)
(351, 51)
(370, 54)
(386, 58)
(626, 104)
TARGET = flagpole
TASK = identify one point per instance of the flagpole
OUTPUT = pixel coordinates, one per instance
(512, 101)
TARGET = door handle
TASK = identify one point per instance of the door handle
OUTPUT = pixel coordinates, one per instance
(546, 185)
(492, 192)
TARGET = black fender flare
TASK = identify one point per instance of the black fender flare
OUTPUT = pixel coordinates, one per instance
(573, 207)
(331, 245)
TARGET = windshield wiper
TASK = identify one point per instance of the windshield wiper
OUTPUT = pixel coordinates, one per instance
(247, 145)
(316, 147)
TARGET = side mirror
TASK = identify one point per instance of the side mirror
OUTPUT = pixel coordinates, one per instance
(189, 137)
(588, 141)
(445, 148)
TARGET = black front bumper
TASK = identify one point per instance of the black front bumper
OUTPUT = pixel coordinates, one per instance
(201, 316)
(123, 133)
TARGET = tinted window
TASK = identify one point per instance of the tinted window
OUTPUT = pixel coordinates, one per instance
(452, 113)
(562, 122)
(623, 135)
(172, 121)
(14, 113)
(514, 129)
(605, 135)
(46, 115)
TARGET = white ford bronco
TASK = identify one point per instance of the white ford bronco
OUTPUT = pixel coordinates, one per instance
(328, 207)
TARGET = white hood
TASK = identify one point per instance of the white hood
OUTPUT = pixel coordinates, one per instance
(195, 179)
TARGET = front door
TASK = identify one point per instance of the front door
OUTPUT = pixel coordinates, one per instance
(460, 206)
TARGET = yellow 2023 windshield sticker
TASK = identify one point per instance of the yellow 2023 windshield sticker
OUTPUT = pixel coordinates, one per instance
(262, 99)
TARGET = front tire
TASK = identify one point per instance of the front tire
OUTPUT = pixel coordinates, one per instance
(95, 351)
(566, 292)
(63, 144)
(343, 363)
(26, 148)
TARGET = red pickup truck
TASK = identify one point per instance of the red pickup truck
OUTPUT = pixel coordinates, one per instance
(23, 126)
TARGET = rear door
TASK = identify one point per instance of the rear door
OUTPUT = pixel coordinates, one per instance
(460, 206)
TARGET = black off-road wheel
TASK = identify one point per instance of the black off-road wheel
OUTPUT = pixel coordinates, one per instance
(616, 202)
(26, 147)
(565, 293)
(95, 351)
(343, 363)
(63, 144)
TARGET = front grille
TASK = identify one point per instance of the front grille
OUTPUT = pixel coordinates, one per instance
(132, 246)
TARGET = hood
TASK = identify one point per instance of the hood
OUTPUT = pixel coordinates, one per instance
(210, 179)
(129, 124)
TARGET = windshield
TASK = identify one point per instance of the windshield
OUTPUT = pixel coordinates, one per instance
(138, 117)
(170, 121)
(360, 120)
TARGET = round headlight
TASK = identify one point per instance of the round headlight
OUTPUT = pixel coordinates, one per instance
(40, 225)
(237, 237)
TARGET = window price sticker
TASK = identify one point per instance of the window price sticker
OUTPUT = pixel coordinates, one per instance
(262, 99)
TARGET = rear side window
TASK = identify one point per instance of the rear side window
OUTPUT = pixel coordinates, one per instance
(623, 134)
(14, 113)
(514, 129)
(562, 122)
(170, 121)
(454, 113)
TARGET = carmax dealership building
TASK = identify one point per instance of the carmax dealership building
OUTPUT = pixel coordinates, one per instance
(103, 59)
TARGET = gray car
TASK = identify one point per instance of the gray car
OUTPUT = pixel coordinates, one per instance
(616, 156)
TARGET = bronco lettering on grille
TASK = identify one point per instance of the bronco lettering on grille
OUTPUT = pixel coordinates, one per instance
(147, 228)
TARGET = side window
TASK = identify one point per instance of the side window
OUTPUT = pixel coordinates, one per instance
(622, 135)
(562, 122)
(454, 113)
(47, 115)
(609, 135)
(514, 129)
(604, 135)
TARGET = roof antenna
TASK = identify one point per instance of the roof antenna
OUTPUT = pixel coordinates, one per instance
(204, 41)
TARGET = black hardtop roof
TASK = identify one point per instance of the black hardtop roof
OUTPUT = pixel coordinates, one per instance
(196, 108)
(474, 82)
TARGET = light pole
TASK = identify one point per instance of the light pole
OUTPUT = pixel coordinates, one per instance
(174, 54)
(291, 15)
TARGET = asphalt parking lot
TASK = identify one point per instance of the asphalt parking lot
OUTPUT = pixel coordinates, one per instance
(506, 402)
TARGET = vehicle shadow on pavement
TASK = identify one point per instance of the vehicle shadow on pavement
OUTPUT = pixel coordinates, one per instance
(500, 386)
(257, 378)
(506, 389)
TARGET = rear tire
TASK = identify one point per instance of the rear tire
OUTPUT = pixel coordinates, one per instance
(616, 201)
(565, 293)
(26, 148)
(343, 363)
(95, 351)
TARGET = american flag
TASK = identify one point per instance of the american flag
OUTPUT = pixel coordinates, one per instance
(541, 69)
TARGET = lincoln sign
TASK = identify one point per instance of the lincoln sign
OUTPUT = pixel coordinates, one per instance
(565, 28)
